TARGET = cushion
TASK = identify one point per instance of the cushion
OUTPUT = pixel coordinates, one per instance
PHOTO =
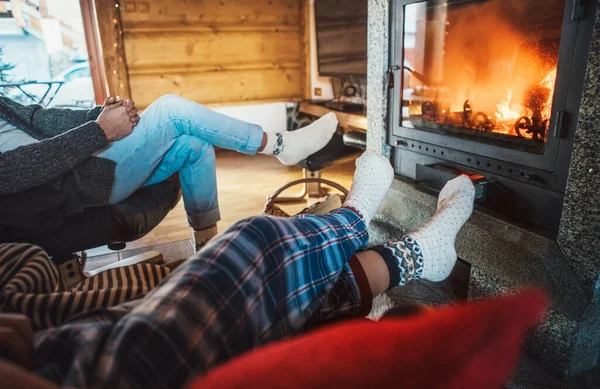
(474, 345)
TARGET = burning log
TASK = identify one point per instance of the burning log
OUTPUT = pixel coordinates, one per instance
(536, 99)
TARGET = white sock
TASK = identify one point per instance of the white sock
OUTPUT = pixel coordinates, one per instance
(291, 147)
(429, 252)
(202, 237)
(372, 179)
(437, 236)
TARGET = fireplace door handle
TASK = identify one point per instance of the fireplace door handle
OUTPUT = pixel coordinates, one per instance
(391, 78)
(480, 188)
(433, 178)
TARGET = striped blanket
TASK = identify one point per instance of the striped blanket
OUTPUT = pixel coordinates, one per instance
(30, 283)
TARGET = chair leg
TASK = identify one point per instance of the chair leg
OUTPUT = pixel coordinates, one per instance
(310, 189)
(151, 257)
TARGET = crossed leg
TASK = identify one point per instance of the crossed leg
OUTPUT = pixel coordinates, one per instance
(178, 135)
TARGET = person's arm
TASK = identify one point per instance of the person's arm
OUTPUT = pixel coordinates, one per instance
(30, 166)
(52, 121)
(55, 121)
(47, 122)
(33, 165)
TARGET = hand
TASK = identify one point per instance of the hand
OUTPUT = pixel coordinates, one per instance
(132, 111)
(16, 339)
(129, 105)
(15, 377)
(16, 346)
(115, 121)
(109, 101)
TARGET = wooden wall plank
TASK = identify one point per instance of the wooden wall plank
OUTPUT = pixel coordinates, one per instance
(212, 12)
(306, 52)
(214, 51)
(221, 87)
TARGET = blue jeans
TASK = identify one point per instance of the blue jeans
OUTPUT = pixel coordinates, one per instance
(178, 135)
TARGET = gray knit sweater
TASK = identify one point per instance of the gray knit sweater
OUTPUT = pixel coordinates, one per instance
(62, 159)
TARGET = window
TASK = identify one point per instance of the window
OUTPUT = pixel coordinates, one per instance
(5, 10)
(78, 73)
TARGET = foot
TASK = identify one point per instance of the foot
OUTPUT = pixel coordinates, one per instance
(429, 252)
(372, 180)
(437, 237)
(291, 147)
(202, 237)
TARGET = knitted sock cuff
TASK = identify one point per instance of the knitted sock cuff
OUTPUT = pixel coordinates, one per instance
(391, 262)
(403, 258)
(278, 147)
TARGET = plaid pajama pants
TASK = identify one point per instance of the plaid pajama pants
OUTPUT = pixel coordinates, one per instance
(264, 279)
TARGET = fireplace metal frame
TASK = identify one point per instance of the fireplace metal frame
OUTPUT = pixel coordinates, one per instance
(535, 182)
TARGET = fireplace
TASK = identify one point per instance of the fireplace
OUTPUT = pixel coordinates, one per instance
(488, 64)
(491, 88)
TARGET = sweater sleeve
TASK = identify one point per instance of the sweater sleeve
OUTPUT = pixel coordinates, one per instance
(30, 166)
(54, 121)
(46, 122)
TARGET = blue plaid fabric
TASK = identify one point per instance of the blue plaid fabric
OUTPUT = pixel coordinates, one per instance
(259, 282)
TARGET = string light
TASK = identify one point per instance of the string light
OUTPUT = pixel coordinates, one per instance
(120, 65)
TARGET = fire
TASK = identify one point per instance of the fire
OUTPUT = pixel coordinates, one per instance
(508, 112)
(506, 115)
(549, 82)
(504, 109)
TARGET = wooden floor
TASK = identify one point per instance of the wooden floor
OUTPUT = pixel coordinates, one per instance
(244, 182)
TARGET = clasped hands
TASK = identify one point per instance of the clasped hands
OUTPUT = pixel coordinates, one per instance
(118, 118)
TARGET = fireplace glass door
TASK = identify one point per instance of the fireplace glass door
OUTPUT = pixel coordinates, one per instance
(481, 70)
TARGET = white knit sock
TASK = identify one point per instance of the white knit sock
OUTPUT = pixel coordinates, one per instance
(291, 147)
(372, 179)
(429, 252)
(437, 236)
(202, 237)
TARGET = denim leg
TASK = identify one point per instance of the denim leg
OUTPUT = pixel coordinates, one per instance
(191, 118)
(139, 155)
(195, 161)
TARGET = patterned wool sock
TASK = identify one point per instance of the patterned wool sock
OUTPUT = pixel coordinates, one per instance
(291, 147)
(372, 180)
(202, 237)
(429, 252)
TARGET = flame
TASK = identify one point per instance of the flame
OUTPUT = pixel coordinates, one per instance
(504, 109)
(506, 115)
(549, 81)
(508, 112)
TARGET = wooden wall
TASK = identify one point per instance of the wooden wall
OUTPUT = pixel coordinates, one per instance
(212, 51)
